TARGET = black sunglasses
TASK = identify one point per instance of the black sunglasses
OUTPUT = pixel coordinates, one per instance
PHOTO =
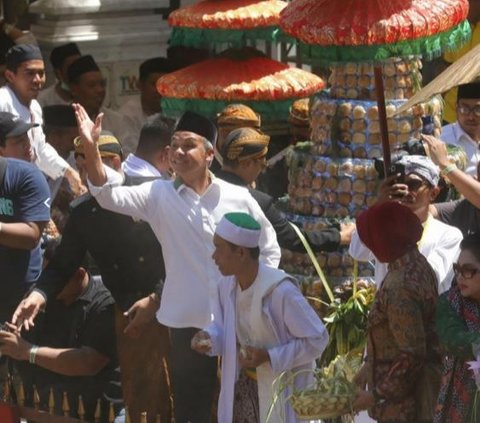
(465, 273)
(414, 184)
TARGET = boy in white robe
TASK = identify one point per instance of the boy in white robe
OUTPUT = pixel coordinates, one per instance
(262, 325)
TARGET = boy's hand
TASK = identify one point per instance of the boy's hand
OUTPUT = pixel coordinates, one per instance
(201, 342)
(251, 357)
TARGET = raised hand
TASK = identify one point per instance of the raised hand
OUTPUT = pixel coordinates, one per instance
(89, 131)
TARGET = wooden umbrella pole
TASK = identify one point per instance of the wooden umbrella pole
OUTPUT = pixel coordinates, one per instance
(382, 116)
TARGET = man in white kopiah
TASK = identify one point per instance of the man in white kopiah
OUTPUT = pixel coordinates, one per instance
(183, 215)
(262, 327)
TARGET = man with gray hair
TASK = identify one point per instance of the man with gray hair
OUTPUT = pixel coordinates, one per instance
(183, 214)
(440, 243)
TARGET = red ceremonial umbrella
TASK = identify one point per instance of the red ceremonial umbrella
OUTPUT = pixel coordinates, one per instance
(266, 85)
(374, 30)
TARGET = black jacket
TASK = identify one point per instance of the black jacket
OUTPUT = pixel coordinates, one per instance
(126, 252)
(324, 240)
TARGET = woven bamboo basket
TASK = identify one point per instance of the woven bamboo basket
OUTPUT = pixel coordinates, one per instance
(313, 405)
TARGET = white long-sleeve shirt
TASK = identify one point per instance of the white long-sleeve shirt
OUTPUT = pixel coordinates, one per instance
(184, 223)
(50, 97)
(133, 112)
(46, 157)
(440, 244)
(135, 166)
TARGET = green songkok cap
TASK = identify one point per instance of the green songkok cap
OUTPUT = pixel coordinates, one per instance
(240, 229)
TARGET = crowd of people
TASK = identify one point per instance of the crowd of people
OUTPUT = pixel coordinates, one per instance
(135, 250)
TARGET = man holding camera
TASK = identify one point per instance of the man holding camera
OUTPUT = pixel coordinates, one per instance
(417, 188)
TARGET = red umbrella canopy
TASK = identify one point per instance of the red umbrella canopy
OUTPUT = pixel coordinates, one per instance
(367, 22)
(228, 14)
(255, 78)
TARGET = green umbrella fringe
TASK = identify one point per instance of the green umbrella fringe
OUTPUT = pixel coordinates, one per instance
(428, 47)
(204, 38)
(269, 110)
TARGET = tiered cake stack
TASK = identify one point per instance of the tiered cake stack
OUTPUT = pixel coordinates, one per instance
(335, 178)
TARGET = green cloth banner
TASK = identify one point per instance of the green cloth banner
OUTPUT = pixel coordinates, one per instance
(427, 47)
(269, 110)
(203, 38)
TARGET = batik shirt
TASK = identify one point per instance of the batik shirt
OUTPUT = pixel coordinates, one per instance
(401, 336)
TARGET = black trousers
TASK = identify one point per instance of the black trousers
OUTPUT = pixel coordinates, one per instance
(193, 377)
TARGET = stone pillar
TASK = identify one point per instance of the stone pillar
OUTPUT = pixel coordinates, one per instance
(119, 34)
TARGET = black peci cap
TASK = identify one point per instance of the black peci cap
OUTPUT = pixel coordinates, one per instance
(469, 91)
(59, 116)
(200, 125)
(60, 53)
(155, 65)
(82, 65)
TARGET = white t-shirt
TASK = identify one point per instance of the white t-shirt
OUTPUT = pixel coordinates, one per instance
(50, 97)
(46, 157)
(133, 112)
(184, 223)
(135, 166)
(122, 129)
(440, 244)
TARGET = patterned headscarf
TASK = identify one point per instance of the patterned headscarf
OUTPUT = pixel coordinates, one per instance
(300, 113)
(421, 166)
(245, 143)
(108, 145)
(238, 114)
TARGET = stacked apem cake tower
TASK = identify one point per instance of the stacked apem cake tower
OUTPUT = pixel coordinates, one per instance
(333, 178)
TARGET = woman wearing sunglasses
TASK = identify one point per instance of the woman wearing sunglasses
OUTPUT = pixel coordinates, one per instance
(458, 328)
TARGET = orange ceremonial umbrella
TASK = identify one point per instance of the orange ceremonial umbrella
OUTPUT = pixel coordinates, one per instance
(225, 21)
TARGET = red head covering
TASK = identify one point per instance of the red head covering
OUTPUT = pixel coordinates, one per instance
(389, 230)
